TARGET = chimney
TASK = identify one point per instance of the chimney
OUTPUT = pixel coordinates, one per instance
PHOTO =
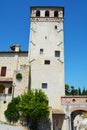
(15, 47)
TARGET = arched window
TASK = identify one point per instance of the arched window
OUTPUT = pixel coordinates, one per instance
(38, 13)
(55, 13)
(2, 89)
(46, 13)
(10, 90)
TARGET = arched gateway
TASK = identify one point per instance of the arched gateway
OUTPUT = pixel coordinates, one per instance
(74, 107)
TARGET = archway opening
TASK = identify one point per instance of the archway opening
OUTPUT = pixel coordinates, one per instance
(56, 14)
(10, 90)
(76, 119)
(38, 13)
(2, 89)
(46, 13)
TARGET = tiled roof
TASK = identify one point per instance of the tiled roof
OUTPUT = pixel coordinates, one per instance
(57, 111)
(13, 52)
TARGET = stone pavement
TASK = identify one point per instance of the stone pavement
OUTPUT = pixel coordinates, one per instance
(9, 127)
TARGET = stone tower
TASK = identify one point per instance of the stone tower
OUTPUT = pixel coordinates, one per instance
(46, 52)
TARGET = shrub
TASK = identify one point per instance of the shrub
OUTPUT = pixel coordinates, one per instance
(18, 76)
(11, 113)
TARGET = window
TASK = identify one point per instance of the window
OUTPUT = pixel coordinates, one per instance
(47, 13)
(44, 85)
(73, 100)
(37, 13)
(3, 71)
(4, 102)
(41, 51)
(47, 62)
(45, 37)
(55, 26)
(56, 14)
(57, 53)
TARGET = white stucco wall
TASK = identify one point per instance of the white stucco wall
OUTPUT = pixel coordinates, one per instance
(43, 35)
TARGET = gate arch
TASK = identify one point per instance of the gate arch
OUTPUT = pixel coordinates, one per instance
(78, 108)
(76, 112)
(74, 106)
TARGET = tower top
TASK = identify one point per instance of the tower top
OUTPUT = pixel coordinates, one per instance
(44, 7)
(47, 11)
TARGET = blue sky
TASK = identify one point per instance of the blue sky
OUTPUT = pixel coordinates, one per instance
(14, 28)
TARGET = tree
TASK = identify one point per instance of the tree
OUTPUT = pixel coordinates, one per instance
(34, 105)
(79, 91)
(67, 89)
(12, 113)
(72, 90)
(84, 91)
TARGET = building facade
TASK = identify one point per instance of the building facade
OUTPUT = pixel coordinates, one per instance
(44, 63)
(12, 63)
(46, 57)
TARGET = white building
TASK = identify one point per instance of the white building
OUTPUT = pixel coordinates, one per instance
(46, 56)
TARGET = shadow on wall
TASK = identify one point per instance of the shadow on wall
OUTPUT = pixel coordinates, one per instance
(58, 121)
(2, 89)
(45, 125)
(42, 125)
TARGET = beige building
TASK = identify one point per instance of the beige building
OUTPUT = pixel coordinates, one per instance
(12, 63)
(45, 59)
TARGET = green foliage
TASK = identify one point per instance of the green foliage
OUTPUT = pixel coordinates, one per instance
(18, 76)
(67, 89)
(84, 92)
(79, 91)
(34, 104)
(72, 91)
(12, 113)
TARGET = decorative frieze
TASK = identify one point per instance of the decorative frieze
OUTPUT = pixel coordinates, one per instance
(74, 100)
(44, 19)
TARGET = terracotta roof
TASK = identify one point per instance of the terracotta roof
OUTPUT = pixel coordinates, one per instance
(57, 111)
(5, 79)
(13, 52)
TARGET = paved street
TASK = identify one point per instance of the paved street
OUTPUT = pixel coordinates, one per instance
(8, 127)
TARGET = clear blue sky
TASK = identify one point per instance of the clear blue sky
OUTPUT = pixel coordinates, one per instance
(14, 28)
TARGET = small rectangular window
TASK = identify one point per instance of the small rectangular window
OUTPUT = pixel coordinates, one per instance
(44, 85)
(57, 53)
(47, 62)
(41, 51)
(55, 26)
(45, 37)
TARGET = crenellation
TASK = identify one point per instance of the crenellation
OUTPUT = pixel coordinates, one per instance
(51, 12)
